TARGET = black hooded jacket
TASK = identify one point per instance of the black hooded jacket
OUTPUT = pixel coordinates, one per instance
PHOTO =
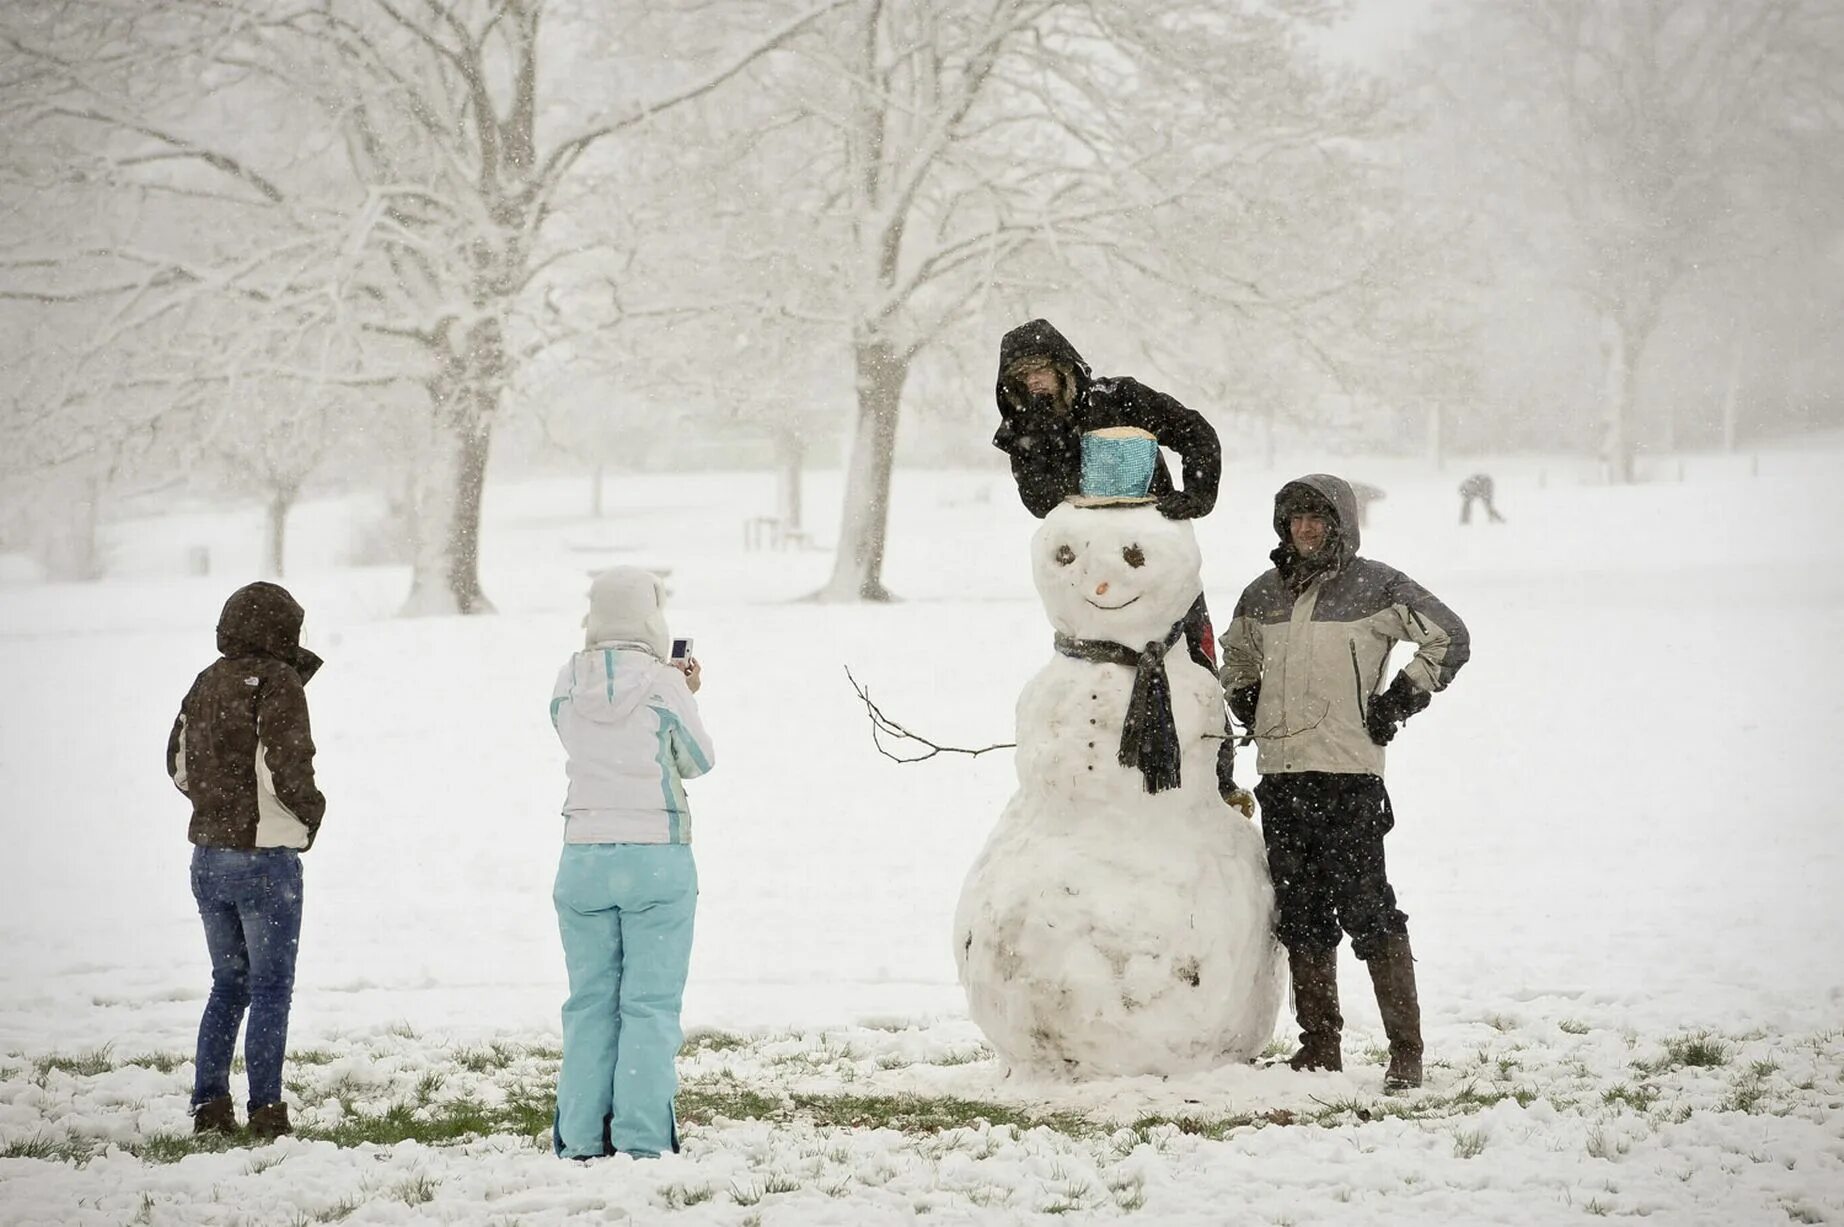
(241, 743)
(1044, 437)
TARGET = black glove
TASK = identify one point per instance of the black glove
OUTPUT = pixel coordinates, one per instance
(1395, 705)
(1242, 704)
(1178, 506)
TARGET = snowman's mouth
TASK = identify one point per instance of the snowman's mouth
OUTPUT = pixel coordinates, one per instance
(1110, 608)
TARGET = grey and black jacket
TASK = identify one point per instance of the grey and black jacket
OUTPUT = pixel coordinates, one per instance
(1306, 652)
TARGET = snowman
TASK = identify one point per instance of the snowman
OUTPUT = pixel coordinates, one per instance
(1119, 920)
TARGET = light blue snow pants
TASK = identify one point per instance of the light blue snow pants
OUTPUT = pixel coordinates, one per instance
(625, 914)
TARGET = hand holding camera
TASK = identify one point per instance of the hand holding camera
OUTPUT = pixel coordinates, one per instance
(686, 663)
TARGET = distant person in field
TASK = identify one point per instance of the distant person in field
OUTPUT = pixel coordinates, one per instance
(1306, 655)
(242, 753)
(1478, 488)
(626, 887)
(1048, 400)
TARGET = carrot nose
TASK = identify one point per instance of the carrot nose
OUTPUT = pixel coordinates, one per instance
(1101, 589)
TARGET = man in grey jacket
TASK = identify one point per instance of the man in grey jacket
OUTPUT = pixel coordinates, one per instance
(1305, 657)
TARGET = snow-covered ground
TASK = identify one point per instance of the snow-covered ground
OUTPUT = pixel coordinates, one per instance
(1617, 842)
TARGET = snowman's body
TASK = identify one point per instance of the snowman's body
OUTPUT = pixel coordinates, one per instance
(1106, 930)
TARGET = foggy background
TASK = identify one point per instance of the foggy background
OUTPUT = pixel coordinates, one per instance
(257, 252)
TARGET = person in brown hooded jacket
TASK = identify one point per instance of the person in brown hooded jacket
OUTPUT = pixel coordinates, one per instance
(242, 753)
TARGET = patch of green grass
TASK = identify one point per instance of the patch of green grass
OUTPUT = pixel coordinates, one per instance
(711, 1041)
(38, 1146)
(172, 1147)
(1216, 1128)
(313, 1056)
(428, 1085)
(79, 1064)
(1750, 1088)
(259, 1164)
(495, 1056)
(679, 1196)
(700, 1103)
(456, 1120)
(964, 1056)
(1640, 1096)
(1500, 1022)
(417, 1190)
(165, 1062)
(1469, 1143)
(1573, 1026)
(1699, 1051)
(705, 1100)
(927, 1114)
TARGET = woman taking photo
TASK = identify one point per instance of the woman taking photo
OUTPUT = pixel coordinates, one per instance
(627, 887)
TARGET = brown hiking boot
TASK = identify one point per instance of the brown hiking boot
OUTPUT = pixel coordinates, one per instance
(1392, 973)
(214, 1116)
(270, 1121)
(1315, 1006)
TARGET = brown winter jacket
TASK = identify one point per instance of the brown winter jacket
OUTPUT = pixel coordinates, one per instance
(240, 749)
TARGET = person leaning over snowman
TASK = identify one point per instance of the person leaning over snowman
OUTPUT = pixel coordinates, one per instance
(1048, 400)
(1305, 656)
(627, 887)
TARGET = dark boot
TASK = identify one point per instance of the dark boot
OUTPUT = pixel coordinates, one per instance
(1392, 973)
(270, 1121)
(1315, 1005)
(215, 1116)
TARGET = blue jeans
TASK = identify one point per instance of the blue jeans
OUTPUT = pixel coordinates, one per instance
(250, 901)
(625, 914)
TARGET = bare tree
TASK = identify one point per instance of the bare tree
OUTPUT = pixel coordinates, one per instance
(1633, 139)
(413, 197)
(932, 160)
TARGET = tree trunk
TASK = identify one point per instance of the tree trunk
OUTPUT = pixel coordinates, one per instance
(1617, 449)
(790, 455)
(281, 502)
(1731, 397)
(445, 572)
(464, 529)
(857, 569)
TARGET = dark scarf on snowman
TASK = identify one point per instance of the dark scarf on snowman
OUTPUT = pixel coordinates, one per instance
(1148, 735)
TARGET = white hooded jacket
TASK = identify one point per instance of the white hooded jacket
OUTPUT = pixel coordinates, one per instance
(631, 729)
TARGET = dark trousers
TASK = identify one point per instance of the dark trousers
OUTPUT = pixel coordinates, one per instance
(1325, 855)
(1485, 500)
(250, 902)
(1201, 639)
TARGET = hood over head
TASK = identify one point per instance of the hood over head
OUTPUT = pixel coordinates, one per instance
(262, 619)
(627, 604)
(1331, 497)
(1038, 339)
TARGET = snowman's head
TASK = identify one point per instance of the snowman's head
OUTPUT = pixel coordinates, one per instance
(1119, 573)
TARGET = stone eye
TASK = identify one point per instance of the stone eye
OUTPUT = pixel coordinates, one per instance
(1064, 555)
(1135, 556)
